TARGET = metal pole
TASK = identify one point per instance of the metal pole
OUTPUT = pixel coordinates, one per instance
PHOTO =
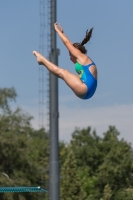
(54, 185)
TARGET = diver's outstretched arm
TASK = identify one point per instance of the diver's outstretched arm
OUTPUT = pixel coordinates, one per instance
(60, 31)
(75, 52)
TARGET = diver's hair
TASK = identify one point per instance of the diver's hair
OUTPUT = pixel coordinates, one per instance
(80, 46)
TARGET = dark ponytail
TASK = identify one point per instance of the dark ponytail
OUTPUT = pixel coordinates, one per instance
(87, 37)
(80, 46)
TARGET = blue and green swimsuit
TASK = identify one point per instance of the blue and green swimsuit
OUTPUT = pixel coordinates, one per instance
(87, 78)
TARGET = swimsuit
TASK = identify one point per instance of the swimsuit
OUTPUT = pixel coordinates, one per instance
(87, 78)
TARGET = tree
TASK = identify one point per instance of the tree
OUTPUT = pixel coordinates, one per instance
(104, 164)
(23, 153)
(116, 169)
(124, 194)
(86, 150)
(6, 95)
(70, 184)
(107, 193)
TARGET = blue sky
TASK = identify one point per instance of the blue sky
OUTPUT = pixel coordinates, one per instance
(111, 48)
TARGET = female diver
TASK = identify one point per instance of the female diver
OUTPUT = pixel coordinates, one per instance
(84, 85)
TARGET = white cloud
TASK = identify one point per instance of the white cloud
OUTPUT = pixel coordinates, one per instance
(99, 118)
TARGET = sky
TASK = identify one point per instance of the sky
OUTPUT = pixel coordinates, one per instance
(111, 48)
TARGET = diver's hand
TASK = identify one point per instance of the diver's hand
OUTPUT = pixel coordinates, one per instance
(58, 27)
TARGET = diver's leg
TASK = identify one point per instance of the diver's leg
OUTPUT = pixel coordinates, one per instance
(71, 80)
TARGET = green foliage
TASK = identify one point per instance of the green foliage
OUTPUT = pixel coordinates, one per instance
(124, 194)
(6, 95)
(23, 153)
(107, 193)
(117, 166)
(85, 146)
(70, 183)
(92, 167)
(104, 165)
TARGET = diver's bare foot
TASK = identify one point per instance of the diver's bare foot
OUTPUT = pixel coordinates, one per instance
(39, 57)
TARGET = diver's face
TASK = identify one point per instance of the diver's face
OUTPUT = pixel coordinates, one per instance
(72, 58)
